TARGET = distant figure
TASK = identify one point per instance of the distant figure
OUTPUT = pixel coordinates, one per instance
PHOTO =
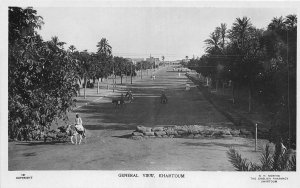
(163, 98)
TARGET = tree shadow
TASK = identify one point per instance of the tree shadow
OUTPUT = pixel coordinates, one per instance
(37, 143)
(123, 136)
(146, 109)
(201, 144)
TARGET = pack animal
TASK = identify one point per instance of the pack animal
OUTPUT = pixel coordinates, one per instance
(73, 132)
(118, 103)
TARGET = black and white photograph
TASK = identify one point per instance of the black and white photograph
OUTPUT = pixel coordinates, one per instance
(157, 94)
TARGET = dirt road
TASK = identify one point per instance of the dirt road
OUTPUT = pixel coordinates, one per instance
(108, 148)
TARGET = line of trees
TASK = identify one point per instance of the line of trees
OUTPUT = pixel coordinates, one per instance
(44, 77)
(263, 61)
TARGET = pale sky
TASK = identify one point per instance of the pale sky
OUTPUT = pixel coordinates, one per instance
(138, 32)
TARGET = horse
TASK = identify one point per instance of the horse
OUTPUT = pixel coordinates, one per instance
(73, 132)
(118, 102)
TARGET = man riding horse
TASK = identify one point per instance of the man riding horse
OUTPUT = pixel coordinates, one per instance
(129, 96)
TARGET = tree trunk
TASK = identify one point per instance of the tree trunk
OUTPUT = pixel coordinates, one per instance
(84, 88)
(98, 85)
(107, 83)
(78, 90)
(223, 88)
(217, 85)
(233, 90)
(79, 85)
(121, 80)
(249, 99)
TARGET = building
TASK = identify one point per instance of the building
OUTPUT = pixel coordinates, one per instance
(153, 60)
(136, 60)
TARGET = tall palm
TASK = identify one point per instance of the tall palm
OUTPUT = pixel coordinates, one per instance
(240, 36)
(55, 41)
(104, 47)
(213, 42)
(86, 67)
(72, 48)
(277, 24)
(104, 57)
(223, 30)
(239, 31)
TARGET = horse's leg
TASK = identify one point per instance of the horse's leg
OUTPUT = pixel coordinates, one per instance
(80, 138)
(72, 139)
(84, 136)
(75, 139)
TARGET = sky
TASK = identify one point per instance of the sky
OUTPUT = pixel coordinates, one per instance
(137, 32)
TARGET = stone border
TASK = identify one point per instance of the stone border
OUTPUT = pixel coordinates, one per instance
(189, 131)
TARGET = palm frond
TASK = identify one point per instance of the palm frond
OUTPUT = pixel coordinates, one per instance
(266, 159)
(237, 161)
(292, 163)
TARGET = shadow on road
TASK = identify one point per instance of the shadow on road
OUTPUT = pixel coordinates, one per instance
(40, 143)
(201, 144)
(183, 108)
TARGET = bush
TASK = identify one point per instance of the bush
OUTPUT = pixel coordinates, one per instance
(280, 160)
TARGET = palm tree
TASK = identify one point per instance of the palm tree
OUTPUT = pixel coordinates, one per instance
(277, 24)
(241, 36)
(213, 42)
(72, 48)
(104, 56)
(223, 30)
(104, 48)
(239, 31)
(85, 67)
(55, 41)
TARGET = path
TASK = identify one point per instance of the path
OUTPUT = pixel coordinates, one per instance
(107, 147)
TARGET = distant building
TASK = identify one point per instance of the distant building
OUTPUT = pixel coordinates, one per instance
(136, 60)
(153, 60)
(185, 60)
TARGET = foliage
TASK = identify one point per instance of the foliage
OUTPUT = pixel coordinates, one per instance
(40, 75)
(144, 65)
(261, 61)
(44, 77)
(278, 161)
(103, 59)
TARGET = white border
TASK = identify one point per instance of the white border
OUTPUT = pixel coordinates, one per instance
(110, 178)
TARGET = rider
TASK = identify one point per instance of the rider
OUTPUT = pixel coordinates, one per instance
(78, 125)
(129, 95)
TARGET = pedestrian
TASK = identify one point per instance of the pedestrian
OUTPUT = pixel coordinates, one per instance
(163, 98)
